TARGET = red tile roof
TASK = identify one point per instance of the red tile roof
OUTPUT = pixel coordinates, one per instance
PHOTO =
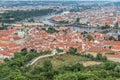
(113, 55)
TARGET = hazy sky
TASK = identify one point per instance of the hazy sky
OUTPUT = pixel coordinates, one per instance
(59, 0)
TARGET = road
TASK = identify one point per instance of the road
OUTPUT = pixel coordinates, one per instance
(44, 56)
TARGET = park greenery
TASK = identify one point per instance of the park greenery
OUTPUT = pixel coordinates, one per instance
(3, 27)
(63, 22)
(118, 37)
(14, 16)
(89, 37)
(112, 38)
(16, 69)
(105, 27)
(52, 30)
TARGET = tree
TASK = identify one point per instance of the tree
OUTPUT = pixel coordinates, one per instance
(77, 20)
(104, 58)
(47, 66)
(33, 50)
(105, 27)
(72, 50)
(3, 27)
(89, 37)
(30, 55)
(118, 37)
(112, 38)
(99, 57)
(16, 69)
(52, 30)
(6, 60)
(110, 65)
(84, 32)
(75, 67)
(37, 70)
(21, 15)
(24, 53)
(17, 55)
(31, 20)
(48, 70)
(117, 68)
(66, 76)
(59, 50)
(76, 76)
(15, 75)
(24, 49)
(89, 56)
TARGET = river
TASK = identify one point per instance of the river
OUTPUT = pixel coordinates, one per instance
(46, 20)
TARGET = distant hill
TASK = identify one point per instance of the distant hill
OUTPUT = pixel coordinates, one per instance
(117, 3)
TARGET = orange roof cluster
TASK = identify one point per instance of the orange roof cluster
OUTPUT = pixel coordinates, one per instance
(99, 50)
(117, 47)
(40, 40)
(5, 38)
(111, 43)
(113, 55)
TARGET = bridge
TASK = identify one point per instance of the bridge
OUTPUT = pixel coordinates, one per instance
(105, 30)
